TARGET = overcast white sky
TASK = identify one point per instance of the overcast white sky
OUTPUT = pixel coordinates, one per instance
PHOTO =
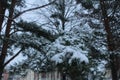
(32, 15)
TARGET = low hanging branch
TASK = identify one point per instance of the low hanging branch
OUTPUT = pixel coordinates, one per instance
(13, 57)
(31, 9)
(33, 28)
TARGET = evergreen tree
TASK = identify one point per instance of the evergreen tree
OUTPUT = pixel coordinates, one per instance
(74, 39)
(8, 18)
(109, 15)
(74, 34)
(112, 31)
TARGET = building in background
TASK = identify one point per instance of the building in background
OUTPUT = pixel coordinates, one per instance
(31, 75)
(5, 75)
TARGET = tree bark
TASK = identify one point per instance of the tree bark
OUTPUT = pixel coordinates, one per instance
(2, 12)
(114, 69)
(63, 76)
(111, 46)
(7, 35)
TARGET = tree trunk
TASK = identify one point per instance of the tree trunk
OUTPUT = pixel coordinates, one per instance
(7, 35)
(64, 76)
(114, 69)
(63, 15)
(111, 45)
(2, 12)
(1, 68)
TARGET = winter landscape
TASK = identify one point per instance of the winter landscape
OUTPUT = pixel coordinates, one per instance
(59, 40)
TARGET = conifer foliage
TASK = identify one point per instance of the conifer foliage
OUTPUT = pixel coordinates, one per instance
(76, 37)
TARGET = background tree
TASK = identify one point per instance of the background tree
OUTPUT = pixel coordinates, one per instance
(112, 34)
(108, 17)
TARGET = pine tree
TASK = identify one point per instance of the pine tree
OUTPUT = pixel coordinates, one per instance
(110, 18)
(8, 28)
(71, 40)
(112, 30)
(74, 30)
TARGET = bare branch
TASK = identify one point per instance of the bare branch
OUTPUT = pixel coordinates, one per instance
(13, 57)
(33, 9)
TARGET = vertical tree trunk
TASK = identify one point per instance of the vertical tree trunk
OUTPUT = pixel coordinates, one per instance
(63, 15)
(64, 76)
(111, 45)
(7, 35)
(2, 12)
(114, 69)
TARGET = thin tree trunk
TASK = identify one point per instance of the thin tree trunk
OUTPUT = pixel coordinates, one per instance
(63, 76)
(2, 12)
(7, 35)
(63, 14)
(114, 69)
(111, 45)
